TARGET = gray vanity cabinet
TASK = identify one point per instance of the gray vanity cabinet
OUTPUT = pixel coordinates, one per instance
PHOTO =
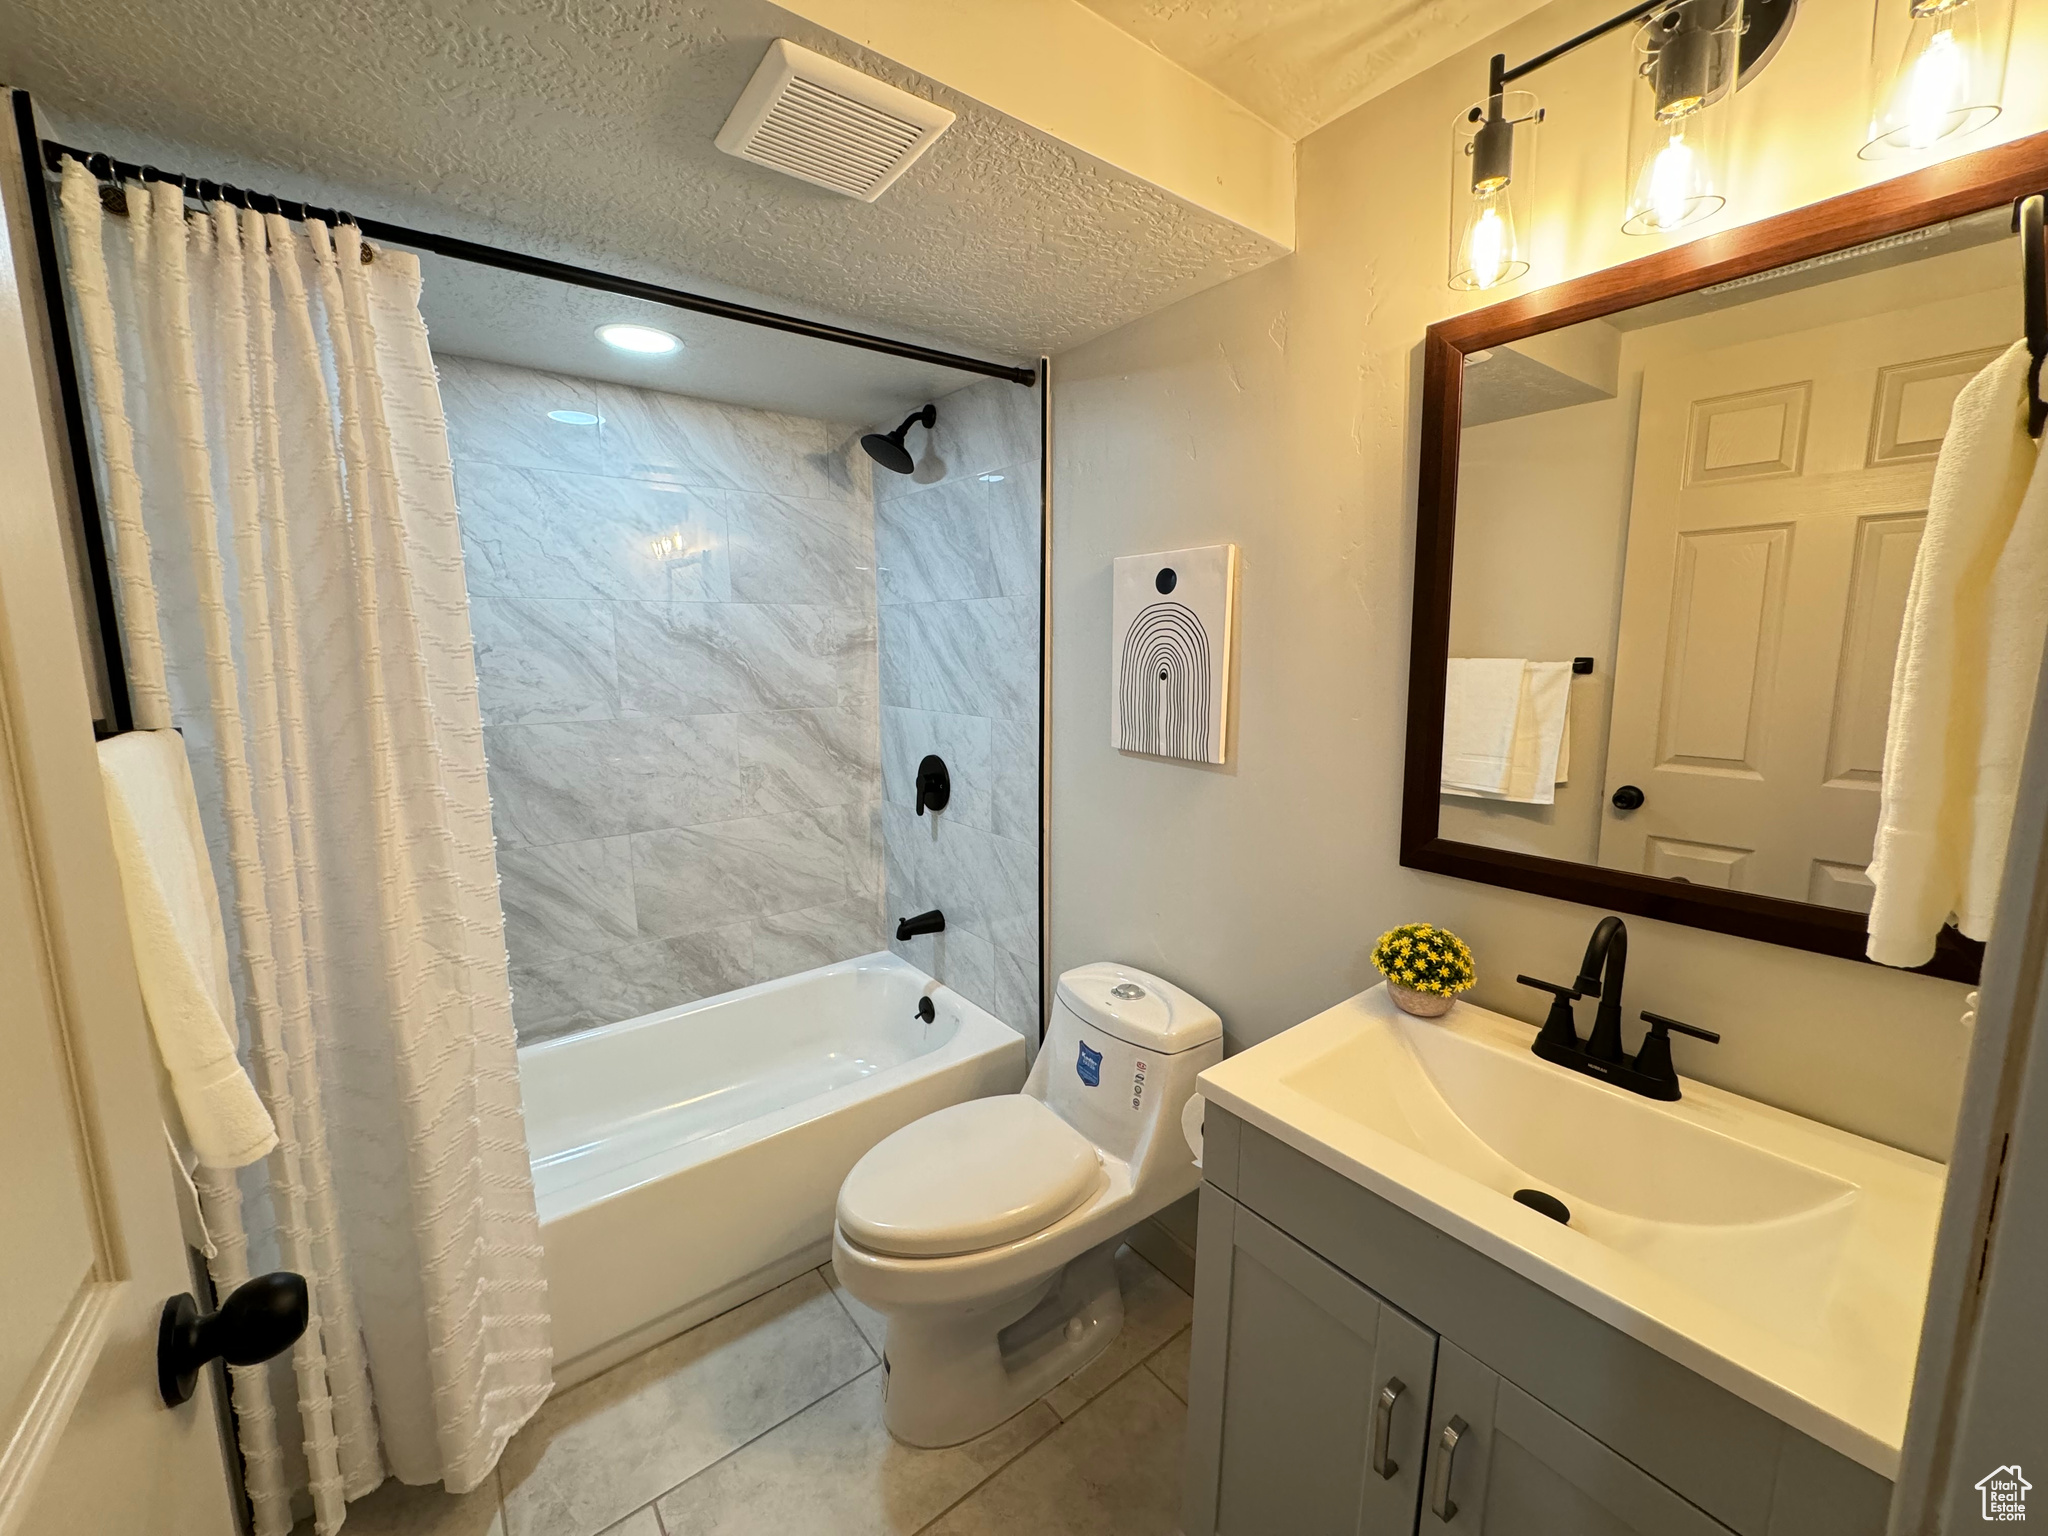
(1314, 1295)
(1502, 1464)
(1316, 1396)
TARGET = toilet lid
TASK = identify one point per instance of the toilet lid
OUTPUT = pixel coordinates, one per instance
(969, 1177)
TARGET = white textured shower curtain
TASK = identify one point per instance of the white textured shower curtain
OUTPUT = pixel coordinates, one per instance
(289, 573)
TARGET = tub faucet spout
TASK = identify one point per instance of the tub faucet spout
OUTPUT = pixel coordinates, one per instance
(909, 928)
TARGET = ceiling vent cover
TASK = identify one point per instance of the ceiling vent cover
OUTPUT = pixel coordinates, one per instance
(817, 120)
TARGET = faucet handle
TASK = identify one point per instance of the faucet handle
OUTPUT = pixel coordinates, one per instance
(1559, 1036)
(1657, 1076)
(1658, 1024)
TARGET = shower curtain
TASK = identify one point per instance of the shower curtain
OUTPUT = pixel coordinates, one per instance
(289, 572)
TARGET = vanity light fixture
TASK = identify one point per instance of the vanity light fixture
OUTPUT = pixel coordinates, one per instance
(1493, 185)
(1689, 58)
(1938, 71)
(644, 339)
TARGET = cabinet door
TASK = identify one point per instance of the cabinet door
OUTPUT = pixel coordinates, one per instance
(1502, 1464)
(1313, 1396)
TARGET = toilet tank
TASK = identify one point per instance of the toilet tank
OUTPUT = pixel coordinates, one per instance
(1121, 1054)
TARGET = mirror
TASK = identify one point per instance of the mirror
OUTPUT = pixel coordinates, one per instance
(1664, 558)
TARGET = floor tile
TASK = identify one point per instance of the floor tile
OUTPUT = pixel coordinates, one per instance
(874, 1327)
(395, 1509)
(1155, 1309)
(834, 1468)
(1170, 1364)
(642, 1522)
(599, 1451)
(1114, 1469)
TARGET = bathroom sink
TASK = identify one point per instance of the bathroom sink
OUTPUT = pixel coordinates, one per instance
(1784, 1259)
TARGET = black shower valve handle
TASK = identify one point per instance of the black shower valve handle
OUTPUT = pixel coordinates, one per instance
(934, 784)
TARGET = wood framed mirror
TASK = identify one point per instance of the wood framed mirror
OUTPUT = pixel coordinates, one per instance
(1677, 503)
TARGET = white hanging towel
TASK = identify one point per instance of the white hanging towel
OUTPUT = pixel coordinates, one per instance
(181, 953)
(1538, 754)
(1482, 699)
(1963, 683)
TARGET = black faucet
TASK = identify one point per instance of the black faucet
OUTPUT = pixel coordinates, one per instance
(1600, 975)
(1651, 1072)
(909, 928)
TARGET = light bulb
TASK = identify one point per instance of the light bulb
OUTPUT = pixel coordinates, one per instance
(1489, 254)
(1936, 87)
(1671, 176)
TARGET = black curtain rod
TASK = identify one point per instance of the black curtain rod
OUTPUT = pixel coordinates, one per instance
(106, 168)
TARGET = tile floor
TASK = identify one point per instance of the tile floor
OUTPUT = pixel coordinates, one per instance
(768, 1420)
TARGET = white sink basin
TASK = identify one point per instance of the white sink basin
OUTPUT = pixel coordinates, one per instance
(1780, 1258)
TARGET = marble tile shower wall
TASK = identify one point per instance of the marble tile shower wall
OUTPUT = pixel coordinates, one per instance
(674, 613)
(958, 571)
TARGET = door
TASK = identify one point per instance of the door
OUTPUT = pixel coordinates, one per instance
(90, 1244)
(1323, 1395)
(1502, 1464)
(1780, 488)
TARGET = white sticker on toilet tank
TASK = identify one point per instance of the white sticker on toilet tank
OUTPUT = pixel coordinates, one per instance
(1138, 1086)
(1089, 1066)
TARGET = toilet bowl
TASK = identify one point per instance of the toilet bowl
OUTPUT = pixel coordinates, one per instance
(984, 1232)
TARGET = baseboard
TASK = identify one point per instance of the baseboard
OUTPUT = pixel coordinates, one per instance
(1164, 1252)
(594, 1362)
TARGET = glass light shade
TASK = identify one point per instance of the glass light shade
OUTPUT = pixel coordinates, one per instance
(1686, 64)
(1937, 71)
(1493, 189)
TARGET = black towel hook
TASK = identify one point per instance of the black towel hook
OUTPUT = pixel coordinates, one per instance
(2027, 217)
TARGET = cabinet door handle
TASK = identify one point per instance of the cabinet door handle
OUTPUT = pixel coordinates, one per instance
(1383, 1426)
(1440, 1503)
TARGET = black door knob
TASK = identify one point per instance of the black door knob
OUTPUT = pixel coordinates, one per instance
(1628, 798)
(261, 1318)
(934, 784)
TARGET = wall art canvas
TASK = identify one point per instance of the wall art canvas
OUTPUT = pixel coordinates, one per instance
(1174, 619)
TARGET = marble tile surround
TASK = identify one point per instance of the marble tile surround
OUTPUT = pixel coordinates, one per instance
(712, 646)
(958, 572)
(676, 643)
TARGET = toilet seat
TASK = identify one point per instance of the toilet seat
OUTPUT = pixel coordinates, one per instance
(968, 1178)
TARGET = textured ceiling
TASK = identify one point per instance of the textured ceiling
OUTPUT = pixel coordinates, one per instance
(583, 129)
(1302, 63)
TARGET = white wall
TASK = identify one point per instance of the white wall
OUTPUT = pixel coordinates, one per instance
(1278, 411)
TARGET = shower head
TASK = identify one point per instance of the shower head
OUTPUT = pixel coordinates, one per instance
(886, 448)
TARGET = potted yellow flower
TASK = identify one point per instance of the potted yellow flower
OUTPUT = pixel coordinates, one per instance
(1426, 968)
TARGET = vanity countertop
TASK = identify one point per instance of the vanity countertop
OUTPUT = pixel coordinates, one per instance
(1781, 1259)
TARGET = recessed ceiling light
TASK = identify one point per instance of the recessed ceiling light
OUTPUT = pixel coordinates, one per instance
(573, 418)
(639, 338)
(990, 479)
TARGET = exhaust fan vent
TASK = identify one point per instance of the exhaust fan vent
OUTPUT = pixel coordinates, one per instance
(817, 120)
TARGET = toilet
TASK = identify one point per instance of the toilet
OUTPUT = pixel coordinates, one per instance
(985, 1232)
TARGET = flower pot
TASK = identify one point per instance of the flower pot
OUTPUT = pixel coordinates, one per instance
(1424, 1005)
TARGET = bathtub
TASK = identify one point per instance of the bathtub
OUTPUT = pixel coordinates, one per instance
(690, 1159)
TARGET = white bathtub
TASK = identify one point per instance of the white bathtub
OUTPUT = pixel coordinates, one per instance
(689, 1159)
